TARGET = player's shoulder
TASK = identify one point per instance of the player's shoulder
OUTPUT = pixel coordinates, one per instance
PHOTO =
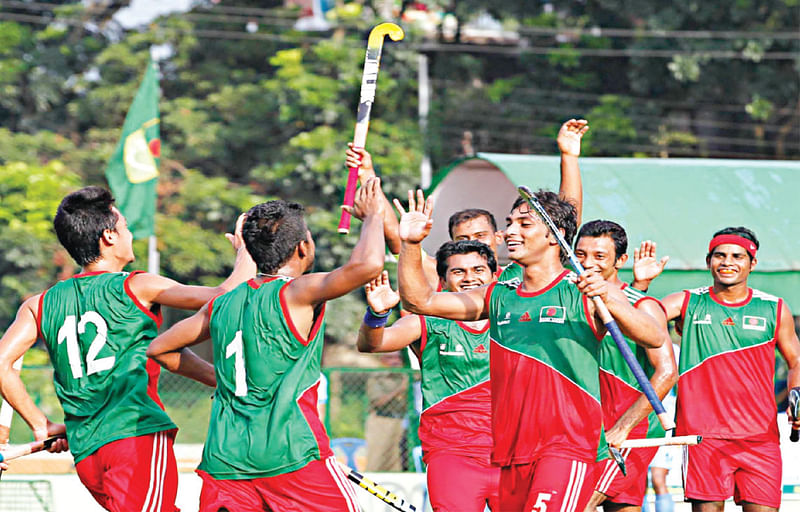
(758, 294)
(632, 294)
(703, 290)
(32, 303)
(512, 283)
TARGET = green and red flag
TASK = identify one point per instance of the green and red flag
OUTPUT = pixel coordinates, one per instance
(132, 172)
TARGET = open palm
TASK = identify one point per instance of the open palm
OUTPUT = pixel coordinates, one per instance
(415, 224)
(646, 265)
(380, 295)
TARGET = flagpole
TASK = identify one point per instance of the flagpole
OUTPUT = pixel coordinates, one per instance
(153, 258)
(152, 255)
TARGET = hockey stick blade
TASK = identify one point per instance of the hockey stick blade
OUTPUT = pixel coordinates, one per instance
(379, 491)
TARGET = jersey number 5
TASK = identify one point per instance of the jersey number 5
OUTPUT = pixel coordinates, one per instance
(69, 331)
(541, 502)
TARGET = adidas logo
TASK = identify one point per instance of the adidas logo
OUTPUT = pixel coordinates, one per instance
(526, 317)
(728, 321)
(480, 349)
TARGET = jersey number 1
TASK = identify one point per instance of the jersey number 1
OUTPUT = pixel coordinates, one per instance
(69, 332)
(236, 348)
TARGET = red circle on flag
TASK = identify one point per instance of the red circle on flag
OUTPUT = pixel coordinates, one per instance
(551, 311)
(752, 321)
(155, 147)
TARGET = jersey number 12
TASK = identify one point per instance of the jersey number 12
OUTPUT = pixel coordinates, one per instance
(69, 332)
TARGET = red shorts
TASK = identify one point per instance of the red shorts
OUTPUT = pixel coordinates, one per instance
(750, 470)
(626, 489)
(320, 485)
(549, 483)
(476, 483)
(135, 473)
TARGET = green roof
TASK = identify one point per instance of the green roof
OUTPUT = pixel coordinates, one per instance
(678, 203)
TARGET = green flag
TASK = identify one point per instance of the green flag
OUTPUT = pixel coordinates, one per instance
(132, 172)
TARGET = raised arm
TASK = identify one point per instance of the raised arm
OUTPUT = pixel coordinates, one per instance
(366, 260)
(20, 336)
(664, 377)
(569, 143)
(169, 349)
(415, 290)
(154, 289)
(375, 337)
(789, 347)
(391, 234)
(359, 157)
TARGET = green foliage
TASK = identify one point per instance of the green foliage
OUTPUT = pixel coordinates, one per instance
(31, 258)
(760, 108)
(610, 126)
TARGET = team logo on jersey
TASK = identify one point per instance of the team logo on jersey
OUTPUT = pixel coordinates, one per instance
(728, 322)
(506, 320)
(554, 314)
(705, 321)
(480, 349)
(458, 351)
(526, 317)
(754, 323)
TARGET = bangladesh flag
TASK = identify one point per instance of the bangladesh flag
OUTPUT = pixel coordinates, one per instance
(132, 172)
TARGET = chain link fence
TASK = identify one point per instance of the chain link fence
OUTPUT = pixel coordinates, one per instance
(26, 496)
(372, 417)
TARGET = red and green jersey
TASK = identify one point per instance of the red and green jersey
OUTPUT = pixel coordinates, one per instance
(264, 419)
(456, 397)
(544, 373)
(97, 333)
(725, 388)
(618, 386)
(510, 272)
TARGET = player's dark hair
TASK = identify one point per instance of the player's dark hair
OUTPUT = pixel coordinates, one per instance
(467, 215)
(562, 211)
(738, 231)
(272, 231)
(450, 248)
(80, 221)
(598, 228)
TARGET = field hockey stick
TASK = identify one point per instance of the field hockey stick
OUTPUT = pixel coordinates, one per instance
(379, 491)
(605, 316)
(662, 441)
(15, 452)
(369, 82)
(794, 408)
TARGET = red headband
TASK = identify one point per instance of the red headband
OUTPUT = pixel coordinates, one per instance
(741, 241)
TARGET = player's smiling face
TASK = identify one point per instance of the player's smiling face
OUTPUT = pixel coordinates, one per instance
(597, 253)
(526, 235)
(730, 264)
(467, 271)
(480, 229)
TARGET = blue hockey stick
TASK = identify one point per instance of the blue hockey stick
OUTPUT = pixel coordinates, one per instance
(605, 316)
